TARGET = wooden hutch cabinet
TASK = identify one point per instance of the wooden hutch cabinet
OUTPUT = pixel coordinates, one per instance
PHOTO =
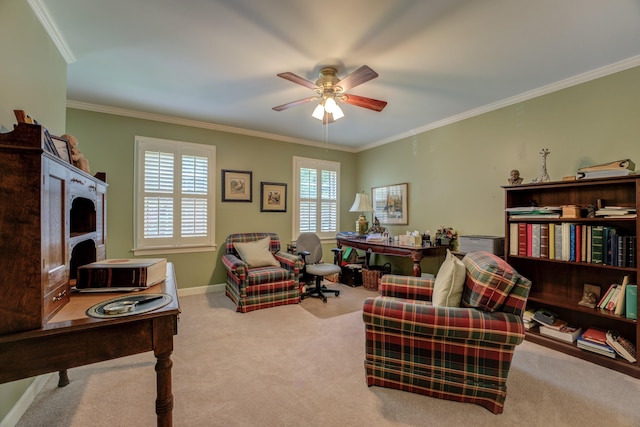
(52, 220)
(558, 285)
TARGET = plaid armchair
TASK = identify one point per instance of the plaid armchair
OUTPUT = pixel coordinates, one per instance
(253, 288)
(456, 353)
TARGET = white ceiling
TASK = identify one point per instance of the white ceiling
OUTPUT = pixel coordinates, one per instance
(215, 61)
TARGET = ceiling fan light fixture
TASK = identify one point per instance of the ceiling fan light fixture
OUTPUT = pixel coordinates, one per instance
(337, 112)
(318, 113)
(330, 105)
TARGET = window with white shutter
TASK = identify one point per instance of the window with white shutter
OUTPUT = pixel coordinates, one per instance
(174, 196)
(316, 197)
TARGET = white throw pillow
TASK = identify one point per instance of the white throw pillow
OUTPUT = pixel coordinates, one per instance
(447, 290)
(257, 253)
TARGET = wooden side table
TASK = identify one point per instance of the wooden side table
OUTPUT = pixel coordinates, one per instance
(72, 339)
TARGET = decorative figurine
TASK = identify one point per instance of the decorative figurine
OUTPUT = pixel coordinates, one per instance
(514, 177)
(544, 176)
(591, 211)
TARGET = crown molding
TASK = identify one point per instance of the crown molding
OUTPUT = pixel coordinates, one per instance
(47, 21)
(199, 124)
(625, 64)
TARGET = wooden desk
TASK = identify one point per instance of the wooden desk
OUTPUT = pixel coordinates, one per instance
(72, 339)
(415, 253)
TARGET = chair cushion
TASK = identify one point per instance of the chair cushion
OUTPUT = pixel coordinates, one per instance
(447, 289)
(489, 281)
(323, 269)
(256, 253)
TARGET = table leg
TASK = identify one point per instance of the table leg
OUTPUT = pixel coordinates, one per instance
(163, 331)
(63, 378)
(416, 257)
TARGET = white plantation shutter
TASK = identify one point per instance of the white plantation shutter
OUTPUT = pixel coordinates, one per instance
(174, 196)
(316, 184)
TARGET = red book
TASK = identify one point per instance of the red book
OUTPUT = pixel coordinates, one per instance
(522, 239)
(529, 239)
(595, 335)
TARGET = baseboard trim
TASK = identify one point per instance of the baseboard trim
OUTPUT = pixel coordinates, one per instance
(25, 400)
(199, 290)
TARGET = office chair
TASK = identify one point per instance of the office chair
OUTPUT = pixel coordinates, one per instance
(309, 248)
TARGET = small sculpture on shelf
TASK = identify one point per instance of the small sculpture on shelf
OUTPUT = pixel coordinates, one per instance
(544, 176)
(514, 177)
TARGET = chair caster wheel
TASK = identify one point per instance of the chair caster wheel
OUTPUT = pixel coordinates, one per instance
(337, 293)
(324, 300)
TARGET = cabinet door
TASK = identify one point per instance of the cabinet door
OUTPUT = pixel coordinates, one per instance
(55, 224)
(101, 222)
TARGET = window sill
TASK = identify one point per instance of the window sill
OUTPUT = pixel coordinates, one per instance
(171, 250)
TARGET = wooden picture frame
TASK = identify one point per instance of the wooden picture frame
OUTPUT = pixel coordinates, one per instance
(237, 186)
(63, 149)
(390, 204)
(273, 197)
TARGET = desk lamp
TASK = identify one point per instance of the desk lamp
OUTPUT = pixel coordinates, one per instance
(362, 204)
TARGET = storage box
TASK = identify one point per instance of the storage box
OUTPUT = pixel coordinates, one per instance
(413, 241)
(493, 244)
(351, 275)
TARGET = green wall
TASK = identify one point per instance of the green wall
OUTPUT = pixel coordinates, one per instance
(107, 140)
(455, 172)
(33, 77)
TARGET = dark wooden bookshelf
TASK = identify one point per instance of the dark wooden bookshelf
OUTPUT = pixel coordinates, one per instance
(558, 285)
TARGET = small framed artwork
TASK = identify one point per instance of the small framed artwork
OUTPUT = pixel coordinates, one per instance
(63, 148)
(273, 197)
(236, 186)
(390, 204)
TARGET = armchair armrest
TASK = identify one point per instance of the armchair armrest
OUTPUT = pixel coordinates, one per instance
(234, 265)
(291, 262)
(406, 287)
(443, 322)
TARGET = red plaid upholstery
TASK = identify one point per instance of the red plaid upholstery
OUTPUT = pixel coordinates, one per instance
(262, 287)
(461, 354)
(489, 281)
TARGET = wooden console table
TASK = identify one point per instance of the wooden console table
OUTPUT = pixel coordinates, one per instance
(415, 253)
(72, 339)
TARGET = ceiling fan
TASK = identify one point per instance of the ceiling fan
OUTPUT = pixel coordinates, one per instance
(329, 90)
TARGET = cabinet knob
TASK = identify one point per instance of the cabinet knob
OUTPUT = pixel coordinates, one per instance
(60, 296)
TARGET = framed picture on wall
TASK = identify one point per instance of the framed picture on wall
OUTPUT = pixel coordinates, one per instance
(390, 204)
(237, 186)
(273, 197)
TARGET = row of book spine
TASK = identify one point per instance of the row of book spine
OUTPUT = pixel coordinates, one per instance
(597, 244)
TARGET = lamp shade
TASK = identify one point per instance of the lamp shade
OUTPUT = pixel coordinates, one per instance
(361, 204)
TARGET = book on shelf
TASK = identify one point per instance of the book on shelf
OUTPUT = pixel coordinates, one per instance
(621, 301)
(566, 333)
(544, 240)
(596, 244)
(604, 173)
(607, 296)
(552, 241)
(631, 306)
(618, 164)
(513, 238)
(116, 273)
(558, 251)
(522, 239)
(602, 349)
(595, 335)
(622, 346)
(535, 240)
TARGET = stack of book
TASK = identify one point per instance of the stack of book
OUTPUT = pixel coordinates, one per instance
(534, 212)
(553, 327)
(527, 318)
(595, 340)
(617, 212)
(622, 346)
(606, 170)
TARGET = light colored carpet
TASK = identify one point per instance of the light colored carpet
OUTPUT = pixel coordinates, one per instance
(284, 366)
(349, 300)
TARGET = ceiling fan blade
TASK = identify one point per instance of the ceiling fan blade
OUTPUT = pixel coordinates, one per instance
(295, 103)
(299, 80)
(359, 76)
(361, 101)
